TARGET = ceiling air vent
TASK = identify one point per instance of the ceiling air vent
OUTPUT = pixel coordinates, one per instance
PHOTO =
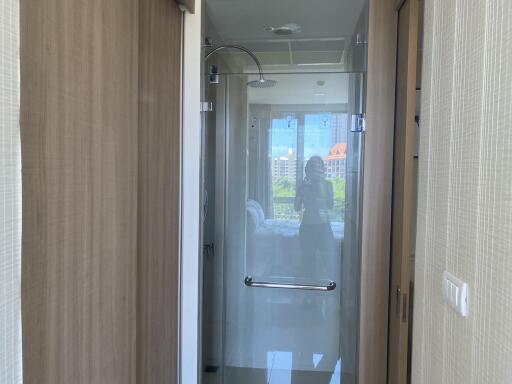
(284, 30)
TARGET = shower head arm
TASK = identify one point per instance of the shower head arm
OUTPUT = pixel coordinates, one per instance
(240, 48)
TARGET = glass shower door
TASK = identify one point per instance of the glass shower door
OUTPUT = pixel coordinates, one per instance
(287, 200)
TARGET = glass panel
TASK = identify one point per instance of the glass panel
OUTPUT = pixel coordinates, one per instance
(286, 190)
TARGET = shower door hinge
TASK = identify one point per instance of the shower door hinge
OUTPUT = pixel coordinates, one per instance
(402, 307)
(206, 106)
(358, 122)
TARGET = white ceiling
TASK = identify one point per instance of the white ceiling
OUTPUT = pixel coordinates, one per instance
(245, 19)
(309, 89)
(327, 26)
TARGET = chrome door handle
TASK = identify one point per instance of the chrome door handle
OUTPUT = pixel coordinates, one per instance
(330, 286)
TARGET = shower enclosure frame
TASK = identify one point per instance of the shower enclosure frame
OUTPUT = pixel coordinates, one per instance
(223, 107)
(377, 196)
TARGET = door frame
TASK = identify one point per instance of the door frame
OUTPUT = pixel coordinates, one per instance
(190, 298)
(404, 191)
(377, 196)
(377, 193)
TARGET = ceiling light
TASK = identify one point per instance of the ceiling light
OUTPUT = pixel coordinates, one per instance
(284, 30)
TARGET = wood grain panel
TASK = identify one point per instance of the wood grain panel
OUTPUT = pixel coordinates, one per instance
(158, 199)
(404, 181)
(376, 222)
(79, 153)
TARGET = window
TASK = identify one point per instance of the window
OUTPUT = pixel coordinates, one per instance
(294, 139)
(284, 165)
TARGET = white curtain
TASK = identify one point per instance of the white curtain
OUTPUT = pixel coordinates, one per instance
(10, 195)
(260, 160)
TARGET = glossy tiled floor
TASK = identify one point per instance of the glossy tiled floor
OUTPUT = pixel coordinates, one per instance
(236, 375)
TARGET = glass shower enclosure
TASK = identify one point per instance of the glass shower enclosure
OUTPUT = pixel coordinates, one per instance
(282, 172)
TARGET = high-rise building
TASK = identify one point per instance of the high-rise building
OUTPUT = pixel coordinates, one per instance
(335, 161)
(284, 167)
(338, 128)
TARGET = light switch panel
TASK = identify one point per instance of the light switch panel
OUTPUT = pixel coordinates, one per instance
(455, 293)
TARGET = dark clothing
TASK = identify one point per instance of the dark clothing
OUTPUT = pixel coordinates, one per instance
(316, 237)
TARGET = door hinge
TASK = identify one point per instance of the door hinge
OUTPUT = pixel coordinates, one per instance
(206, 106)
(358, 122)
(402, 308)
(405, 308)
(398, 301)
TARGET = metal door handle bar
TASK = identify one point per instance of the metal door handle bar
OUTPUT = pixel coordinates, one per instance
(330, 286)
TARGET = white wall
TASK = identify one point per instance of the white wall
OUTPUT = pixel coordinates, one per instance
(465, 193)
(10, 195)
(190, 198)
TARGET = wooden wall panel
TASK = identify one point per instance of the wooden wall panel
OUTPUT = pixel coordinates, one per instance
(159, 182)
(79, 103)
(377, 192)
(404, 181)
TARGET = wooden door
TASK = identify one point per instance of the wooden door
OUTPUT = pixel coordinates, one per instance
(404, 181)
(377, 192)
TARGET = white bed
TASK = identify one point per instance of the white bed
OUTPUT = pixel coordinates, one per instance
(273, 246)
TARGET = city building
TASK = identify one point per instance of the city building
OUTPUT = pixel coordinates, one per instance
(284, 167)
(335, 161)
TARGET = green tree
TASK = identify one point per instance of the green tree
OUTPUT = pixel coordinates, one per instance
(338, 185)
(283, 191)
(282, 187)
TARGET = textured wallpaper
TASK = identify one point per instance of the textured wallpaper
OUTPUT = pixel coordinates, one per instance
(10, 195)
(465, 193)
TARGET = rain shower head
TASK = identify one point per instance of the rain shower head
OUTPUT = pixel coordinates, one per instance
(261, 82)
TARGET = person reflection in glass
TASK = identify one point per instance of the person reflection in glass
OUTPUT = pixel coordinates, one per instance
(315, 196)
(314, 199)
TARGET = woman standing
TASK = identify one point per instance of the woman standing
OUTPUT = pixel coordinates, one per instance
(315, 196)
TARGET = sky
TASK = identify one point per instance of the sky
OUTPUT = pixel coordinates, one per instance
(317, 135)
